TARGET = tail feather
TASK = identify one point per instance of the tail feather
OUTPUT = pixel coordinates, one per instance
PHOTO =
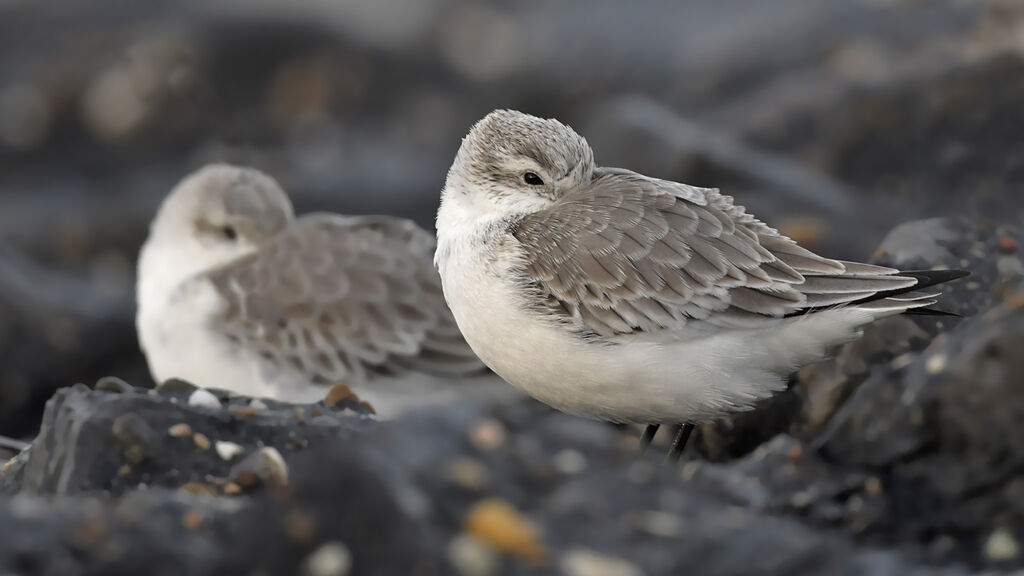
(904, 298)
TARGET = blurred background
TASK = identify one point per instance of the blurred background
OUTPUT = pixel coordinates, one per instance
(831, 119)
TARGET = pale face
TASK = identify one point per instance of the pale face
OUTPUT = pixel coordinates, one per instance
(513, 162)
(220, 213)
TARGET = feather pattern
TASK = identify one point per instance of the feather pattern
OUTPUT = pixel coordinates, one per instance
(626, 253)
(335, 298)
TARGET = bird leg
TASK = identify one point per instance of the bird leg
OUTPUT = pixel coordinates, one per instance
(679, 444)
(649, 432)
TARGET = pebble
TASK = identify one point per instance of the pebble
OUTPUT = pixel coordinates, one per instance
(581, 562)
(570, 461)
(203, 398)
(227, 450)
(134, 437)
(111, 106)
(659, 523)
(338, 394)
(174, 387)
(1001, 546)
(113, 385)
(330, 559)
(198, 488)
(257, 404)
(201, 441)
(935, 364)
(181, 430)
(192, 520)
(487, 435)
(467, 473)
(264, 466)
(471, 557)
(505, 529)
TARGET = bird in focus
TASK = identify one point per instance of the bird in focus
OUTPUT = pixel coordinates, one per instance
(606, 293)
(235, 292)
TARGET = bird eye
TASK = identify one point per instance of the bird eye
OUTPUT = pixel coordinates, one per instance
(532, 179)
(229, 232)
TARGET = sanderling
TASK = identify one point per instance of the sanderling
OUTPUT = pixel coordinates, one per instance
(235, 292)
(607, 293)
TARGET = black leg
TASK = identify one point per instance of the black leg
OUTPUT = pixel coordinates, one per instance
(679, 444)
(649, 432)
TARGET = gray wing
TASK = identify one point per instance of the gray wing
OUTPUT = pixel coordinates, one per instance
(636, 254)
(335, 298)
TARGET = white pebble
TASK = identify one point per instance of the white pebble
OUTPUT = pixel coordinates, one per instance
(570, 461)
(471, 557)
(580, 562)
(257, 404)
(227, 450)
(203, 398)
(1001, 546)
(330, 559)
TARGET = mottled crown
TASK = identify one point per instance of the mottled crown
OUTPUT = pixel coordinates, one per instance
(507, 134)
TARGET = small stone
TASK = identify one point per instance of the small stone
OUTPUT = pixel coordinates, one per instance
(299, 527)
(467, 473)
(134, 437)
(658, 523)
(935, 364)
(487, 435)
(330, 559)
(181, 430)
(501, 526)
(243, 411)
(265, 466)
(198, 488)
(257, 404)
(201, 441)
(192, 520)
(873, 486)
(1001, 546)
(581, 562)
(796, 452)
(124, 470)
(113, 385)
(471, 557)
(111, 106)
(227, 450)
(338, 394)
(232, 489)
(569, 461)
(1007, 244)
(204, 399)
(175, 387)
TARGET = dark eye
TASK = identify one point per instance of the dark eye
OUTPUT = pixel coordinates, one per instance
(229, 232)
(532, 179)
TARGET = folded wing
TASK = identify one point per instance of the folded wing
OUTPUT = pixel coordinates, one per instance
(337, 298)
(630, 254)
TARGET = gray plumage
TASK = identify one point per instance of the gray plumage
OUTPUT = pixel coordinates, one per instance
(235, 292)
(608, 293)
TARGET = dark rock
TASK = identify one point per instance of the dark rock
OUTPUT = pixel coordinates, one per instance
(338, 496)
(93, 440)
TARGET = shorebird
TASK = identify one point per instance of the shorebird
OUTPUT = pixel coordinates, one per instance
(235, 292)
(606, 293)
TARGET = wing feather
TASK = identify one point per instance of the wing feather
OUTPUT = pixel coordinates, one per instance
(336, 298)
(631, 254)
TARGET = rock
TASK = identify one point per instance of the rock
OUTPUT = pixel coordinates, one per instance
(338, 492)
(87, 436)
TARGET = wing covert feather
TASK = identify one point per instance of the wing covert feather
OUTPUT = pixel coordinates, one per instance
(630, 254)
